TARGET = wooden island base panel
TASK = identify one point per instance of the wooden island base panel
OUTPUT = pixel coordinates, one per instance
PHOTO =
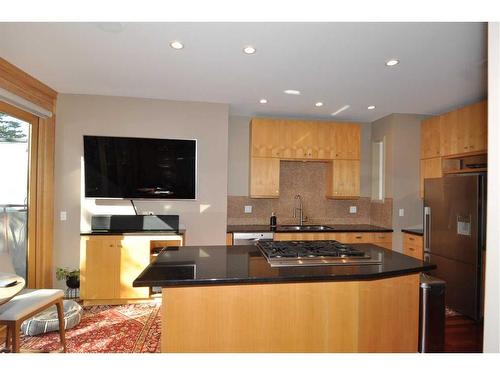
(343, 316)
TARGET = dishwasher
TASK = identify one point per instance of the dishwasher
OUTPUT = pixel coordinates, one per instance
(240, 238)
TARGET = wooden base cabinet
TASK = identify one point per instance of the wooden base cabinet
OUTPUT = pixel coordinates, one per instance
(351, 316)
(110, 264)
(413, 245)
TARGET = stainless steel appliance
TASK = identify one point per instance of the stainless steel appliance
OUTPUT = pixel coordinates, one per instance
(251, 238)
(313, 253)
(432, 314)
(454, 238)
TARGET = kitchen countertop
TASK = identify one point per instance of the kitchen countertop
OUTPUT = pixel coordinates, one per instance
(134, 233)
(415, 231)
(335, 228)
(244, 264)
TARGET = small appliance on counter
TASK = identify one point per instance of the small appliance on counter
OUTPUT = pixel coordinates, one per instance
(272, 221)
(134, 223)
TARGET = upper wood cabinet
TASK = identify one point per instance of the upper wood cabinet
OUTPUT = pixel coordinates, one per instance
(343, 178)
(304, 140)
(429, 168)
(346, 139)
(264, 177)
(464, 130)
(431, 137)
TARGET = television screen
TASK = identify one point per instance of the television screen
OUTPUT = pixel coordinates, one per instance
(117, 167)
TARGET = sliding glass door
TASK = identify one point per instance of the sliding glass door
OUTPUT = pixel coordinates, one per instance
(15, 171)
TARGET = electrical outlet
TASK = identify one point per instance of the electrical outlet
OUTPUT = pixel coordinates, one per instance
(353, 209)
(63, 216)
(248, 209)
(401, 212)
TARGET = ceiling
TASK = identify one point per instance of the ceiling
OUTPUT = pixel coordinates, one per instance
(442, 65)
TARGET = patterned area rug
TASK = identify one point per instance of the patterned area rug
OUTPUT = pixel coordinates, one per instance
(107, 329)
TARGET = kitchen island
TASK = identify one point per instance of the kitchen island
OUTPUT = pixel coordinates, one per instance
(229, 299)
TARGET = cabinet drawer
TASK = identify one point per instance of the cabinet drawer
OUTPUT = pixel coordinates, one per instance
(413, 251)
(413, 240)
(357, 237)
(382, 237)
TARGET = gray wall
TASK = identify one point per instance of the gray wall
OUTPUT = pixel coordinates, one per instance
(78, 115)
(238, 166)
(402, 181)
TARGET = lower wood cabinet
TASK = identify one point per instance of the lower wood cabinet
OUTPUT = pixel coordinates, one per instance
(413, 245)
(110, 264)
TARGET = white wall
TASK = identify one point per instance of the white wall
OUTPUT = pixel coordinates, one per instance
(492, 291)
(78, 115)
(402, 170)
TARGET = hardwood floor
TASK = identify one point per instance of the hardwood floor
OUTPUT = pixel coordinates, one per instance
(462, 335)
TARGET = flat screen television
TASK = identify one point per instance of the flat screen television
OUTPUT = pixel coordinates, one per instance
(118, 167)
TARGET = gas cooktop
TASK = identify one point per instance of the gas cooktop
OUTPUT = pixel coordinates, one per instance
(312, 253)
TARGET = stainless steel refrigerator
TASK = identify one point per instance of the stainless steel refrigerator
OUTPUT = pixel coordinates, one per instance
(455, 238)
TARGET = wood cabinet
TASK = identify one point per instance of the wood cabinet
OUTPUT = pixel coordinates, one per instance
(346, 139)
(264, 177)
(272, 140)
(464, 130)
(110, 264)
(413, 245)
(343, 179)
(304, 140)
(100, 268)
(430, 139)
(429, 168)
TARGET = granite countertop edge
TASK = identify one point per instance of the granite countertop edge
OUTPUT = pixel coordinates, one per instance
(336, 228)
(137, 232)
(417, 231)
(283, 280)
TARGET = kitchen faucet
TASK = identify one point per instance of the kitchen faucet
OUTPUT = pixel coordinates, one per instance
(300, 209)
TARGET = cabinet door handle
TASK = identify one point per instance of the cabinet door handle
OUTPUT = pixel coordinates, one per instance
(412, 249)
(411, 238)
(359, 237)
(465, 147)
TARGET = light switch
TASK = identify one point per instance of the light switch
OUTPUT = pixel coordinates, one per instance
(353, 209)
(401, 212)
(248, 209)
(63, 216)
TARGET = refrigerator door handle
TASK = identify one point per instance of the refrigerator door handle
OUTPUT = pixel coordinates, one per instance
(427, 229)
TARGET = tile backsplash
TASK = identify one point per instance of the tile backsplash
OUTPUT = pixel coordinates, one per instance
(309, 180)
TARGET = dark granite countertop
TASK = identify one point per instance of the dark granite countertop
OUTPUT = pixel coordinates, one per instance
(335, 228)
(133, 233)
(415, 231)
(216, 265)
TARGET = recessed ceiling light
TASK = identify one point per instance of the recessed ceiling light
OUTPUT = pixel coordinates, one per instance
(341, 110)
(292, 92)
(175, 44)
(319, 104)
(371, 107)
(392, 62)
(263, 101)
(249, 50)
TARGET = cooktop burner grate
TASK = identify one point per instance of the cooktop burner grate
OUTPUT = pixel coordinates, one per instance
(289, 253)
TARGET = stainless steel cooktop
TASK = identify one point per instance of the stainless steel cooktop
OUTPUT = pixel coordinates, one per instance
(313, 253)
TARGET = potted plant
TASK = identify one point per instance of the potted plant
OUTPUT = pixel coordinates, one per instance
(72, 277)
